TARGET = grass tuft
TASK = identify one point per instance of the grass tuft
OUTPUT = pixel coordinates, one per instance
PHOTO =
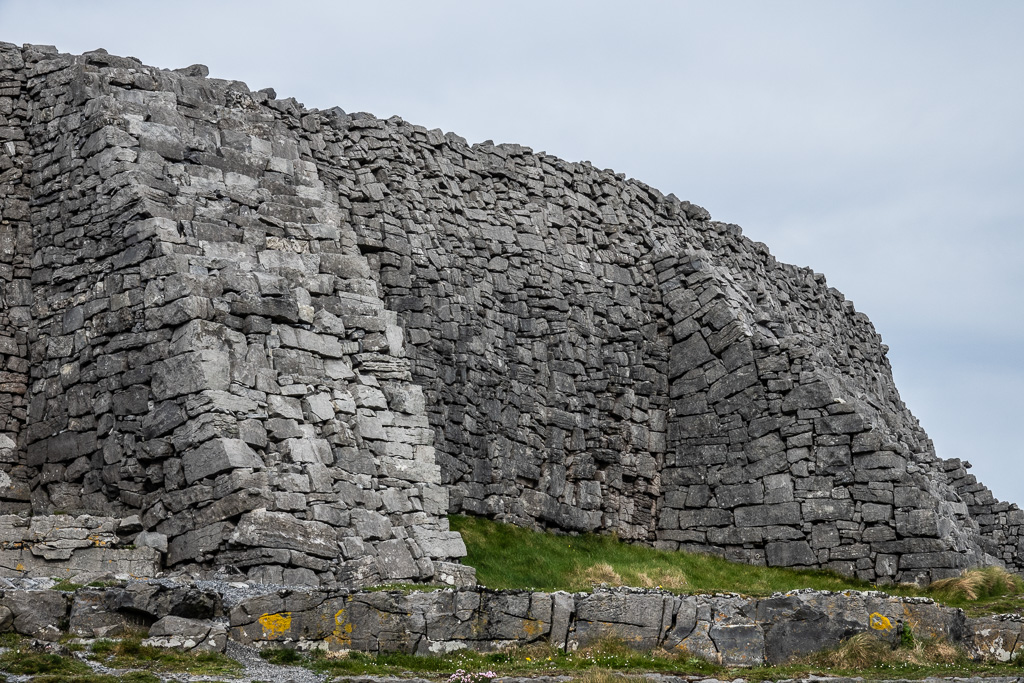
(860, 651)
(130, 653)
(978, 584)
(606, 676)
(25, 662)
(66, 585)
(282, 656)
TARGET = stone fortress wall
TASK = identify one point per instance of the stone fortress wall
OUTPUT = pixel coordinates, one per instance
(191, 338)
(290, 341)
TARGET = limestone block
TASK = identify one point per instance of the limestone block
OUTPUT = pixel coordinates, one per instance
(769, 515)
(458, 575)
(263, 529)
(797, 625)
(191, 373)
(395, 560)
(806, 396)
(310, 450)
(37, 613)
(999, 638)
(195, 543)
(687, 355)
(369, 397)
(152, 539)
(285, 407)
(824, 509)
(318, 407)
(95, 614)
(321, 344)
(635, 618)
(163, 419)
(795, 553)
(218, 455)
(438, 544)
(187, 634)
(738, 644)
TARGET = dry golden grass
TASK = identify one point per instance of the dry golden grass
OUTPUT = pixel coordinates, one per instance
(600, 573)
(663, 578)
(606, 676)
(858, 652)
(603, 573)
(975, 584)
(864, 651)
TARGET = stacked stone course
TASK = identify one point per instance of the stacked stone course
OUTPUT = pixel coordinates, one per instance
(290, 341)
(204, 350)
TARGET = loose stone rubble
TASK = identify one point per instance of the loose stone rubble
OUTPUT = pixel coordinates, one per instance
(243, 336)
(727, 629)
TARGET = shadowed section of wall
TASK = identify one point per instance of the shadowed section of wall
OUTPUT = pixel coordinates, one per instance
(287, 342)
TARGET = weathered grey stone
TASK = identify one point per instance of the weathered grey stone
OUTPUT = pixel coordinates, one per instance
(187, 634)
(261, 528)
(824, 509)
(739, 644)
(804, 396)
(218, 455)
(96, 614)
(999, 638)
(37, 613)
(634, 618)
(439, 544)
(769, 515)
(191, 373)
(795, 553)
(152, 539)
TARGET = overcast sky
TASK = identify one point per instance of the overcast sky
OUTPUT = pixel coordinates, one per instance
(880, 143)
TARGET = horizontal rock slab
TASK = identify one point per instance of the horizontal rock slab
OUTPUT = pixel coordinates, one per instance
(90, 560)
(263, 529)
(218, 455)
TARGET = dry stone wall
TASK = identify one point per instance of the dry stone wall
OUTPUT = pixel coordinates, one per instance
(600, 357)
(725, 629)
(290, 341)
(203, 351)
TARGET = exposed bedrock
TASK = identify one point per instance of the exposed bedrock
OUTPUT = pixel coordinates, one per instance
(289, 341)
(726, 629)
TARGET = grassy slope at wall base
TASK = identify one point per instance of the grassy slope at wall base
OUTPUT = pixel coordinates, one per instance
(510, 557)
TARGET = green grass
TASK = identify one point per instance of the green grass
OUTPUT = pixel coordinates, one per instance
(131, 677)
(533, 660)
(23, 661)
(507, 556)
(130, 653)
(611, 661)
(283, 656)
(11, 639)
(66, 585)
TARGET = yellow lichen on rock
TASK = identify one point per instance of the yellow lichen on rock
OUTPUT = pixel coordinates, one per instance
(879, 622)
(276, 625)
